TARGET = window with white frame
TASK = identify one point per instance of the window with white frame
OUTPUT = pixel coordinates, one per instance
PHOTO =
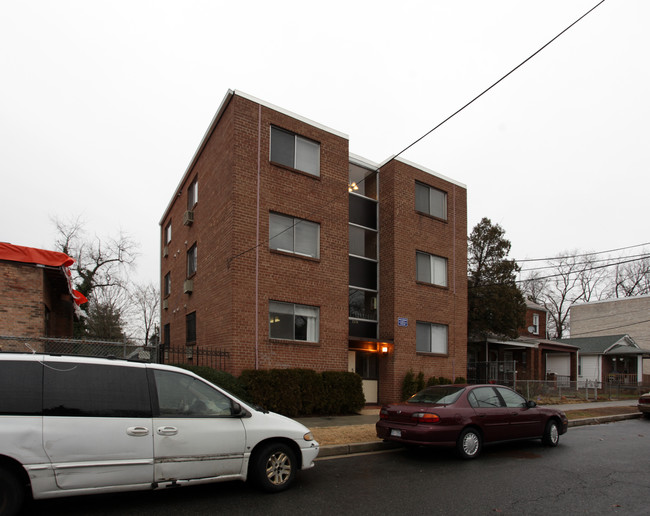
(430, 200)
(535, 324)
(191, 261)
(431, 269)
(294, 151)
(192, 194)
(291, 321)
(293, 235)
(168, 233)
(431, 338)
(167, 288)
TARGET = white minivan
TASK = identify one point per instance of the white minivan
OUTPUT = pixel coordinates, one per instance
(76, 425)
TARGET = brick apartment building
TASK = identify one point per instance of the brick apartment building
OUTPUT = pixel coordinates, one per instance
(37, 296)
(299, 254)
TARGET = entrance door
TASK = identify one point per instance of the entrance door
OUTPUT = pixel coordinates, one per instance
(366, 364)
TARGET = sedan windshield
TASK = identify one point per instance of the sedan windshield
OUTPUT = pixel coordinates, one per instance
(440, 395)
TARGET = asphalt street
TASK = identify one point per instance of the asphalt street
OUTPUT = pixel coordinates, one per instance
(600, 469)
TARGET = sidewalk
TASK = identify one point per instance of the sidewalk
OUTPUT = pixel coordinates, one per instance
(369, 416)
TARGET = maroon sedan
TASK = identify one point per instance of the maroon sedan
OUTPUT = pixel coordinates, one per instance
(467, 416)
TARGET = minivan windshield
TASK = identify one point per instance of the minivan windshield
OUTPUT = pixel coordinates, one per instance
(440, 395)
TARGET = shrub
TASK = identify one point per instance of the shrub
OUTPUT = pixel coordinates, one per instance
(460, 379)
(432, 381)
(303, 392)
(444, 381)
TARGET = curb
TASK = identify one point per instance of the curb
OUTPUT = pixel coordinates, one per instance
(334, 450)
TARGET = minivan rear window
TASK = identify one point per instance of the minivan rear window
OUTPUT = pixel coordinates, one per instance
(20, 388)
(95, 390)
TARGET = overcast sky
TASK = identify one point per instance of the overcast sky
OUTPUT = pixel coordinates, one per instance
(103, 103)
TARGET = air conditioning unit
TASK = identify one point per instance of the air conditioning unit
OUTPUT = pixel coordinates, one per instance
(188, 218)
(165, 304)
(165, 251)
(188, 286)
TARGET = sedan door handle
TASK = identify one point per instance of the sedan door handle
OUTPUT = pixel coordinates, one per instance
(167, 430)
(137, 431)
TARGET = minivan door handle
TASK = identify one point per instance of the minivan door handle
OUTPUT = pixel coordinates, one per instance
(137, 431)
(167, 430)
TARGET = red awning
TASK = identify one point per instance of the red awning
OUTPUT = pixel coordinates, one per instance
(18, 253)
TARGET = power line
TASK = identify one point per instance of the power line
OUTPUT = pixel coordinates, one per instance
(581, 255)
(232, 258)
(554, 266)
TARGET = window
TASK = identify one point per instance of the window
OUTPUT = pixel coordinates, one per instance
(484, 397)
(181, 395)
(190, 328)
(92, 390)
(294, 235)
(512, 399)
(363, 242)
(192, 194)
(168, 233)
(535, 324)
(21, 388)
(191, 261)
(294, 151)
(431, 269)
(167, 336)
(431, 338)
(431, 201)
(167, 284)
(293, 322)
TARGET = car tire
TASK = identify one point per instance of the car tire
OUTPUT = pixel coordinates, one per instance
(469, 443)
(551, 433)
(12, 493)
(274, 467)
(646, 415)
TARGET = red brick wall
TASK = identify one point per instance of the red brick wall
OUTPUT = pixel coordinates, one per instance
(225, 230)
(403, 232)
(529, 322)
(21, 310)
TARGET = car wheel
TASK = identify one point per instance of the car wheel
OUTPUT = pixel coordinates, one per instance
(551, 433)
(646, 415)
(274, 467)
(469, 443)
(12, 493)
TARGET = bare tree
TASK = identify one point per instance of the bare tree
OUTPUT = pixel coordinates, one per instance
(145, 301)
(632, 278)
(101, 267)
(569, 278)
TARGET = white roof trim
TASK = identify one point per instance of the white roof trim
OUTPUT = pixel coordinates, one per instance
(291, 114)
(360, 161)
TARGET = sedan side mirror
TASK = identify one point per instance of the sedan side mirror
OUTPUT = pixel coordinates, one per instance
(531, 404)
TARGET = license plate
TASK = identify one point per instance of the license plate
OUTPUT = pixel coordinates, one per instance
(394, 432)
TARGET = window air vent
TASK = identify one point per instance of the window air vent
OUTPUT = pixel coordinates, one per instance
(188, 286)
(165, 251)
(165, 304)
(188, 218)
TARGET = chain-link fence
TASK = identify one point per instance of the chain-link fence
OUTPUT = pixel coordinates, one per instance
(583, 390)
(212, 357)
(94, 348)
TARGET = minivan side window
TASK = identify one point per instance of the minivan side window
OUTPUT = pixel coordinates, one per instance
(93, 390)
(181, 395)
(20, 388)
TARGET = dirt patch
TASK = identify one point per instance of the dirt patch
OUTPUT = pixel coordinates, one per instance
(366, 433)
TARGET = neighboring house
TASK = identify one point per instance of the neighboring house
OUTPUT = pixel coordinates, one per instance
(608, 359)
(628, 315)
(299, 254)
(531, 356)
(37, 296)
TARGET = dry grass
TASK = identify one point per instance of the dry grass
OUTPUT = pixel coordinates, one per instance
(366, 433)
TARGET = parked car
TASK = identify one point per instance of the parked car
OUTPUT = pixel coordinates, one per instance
(644, 405)
(467, 417)
(73, 426)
